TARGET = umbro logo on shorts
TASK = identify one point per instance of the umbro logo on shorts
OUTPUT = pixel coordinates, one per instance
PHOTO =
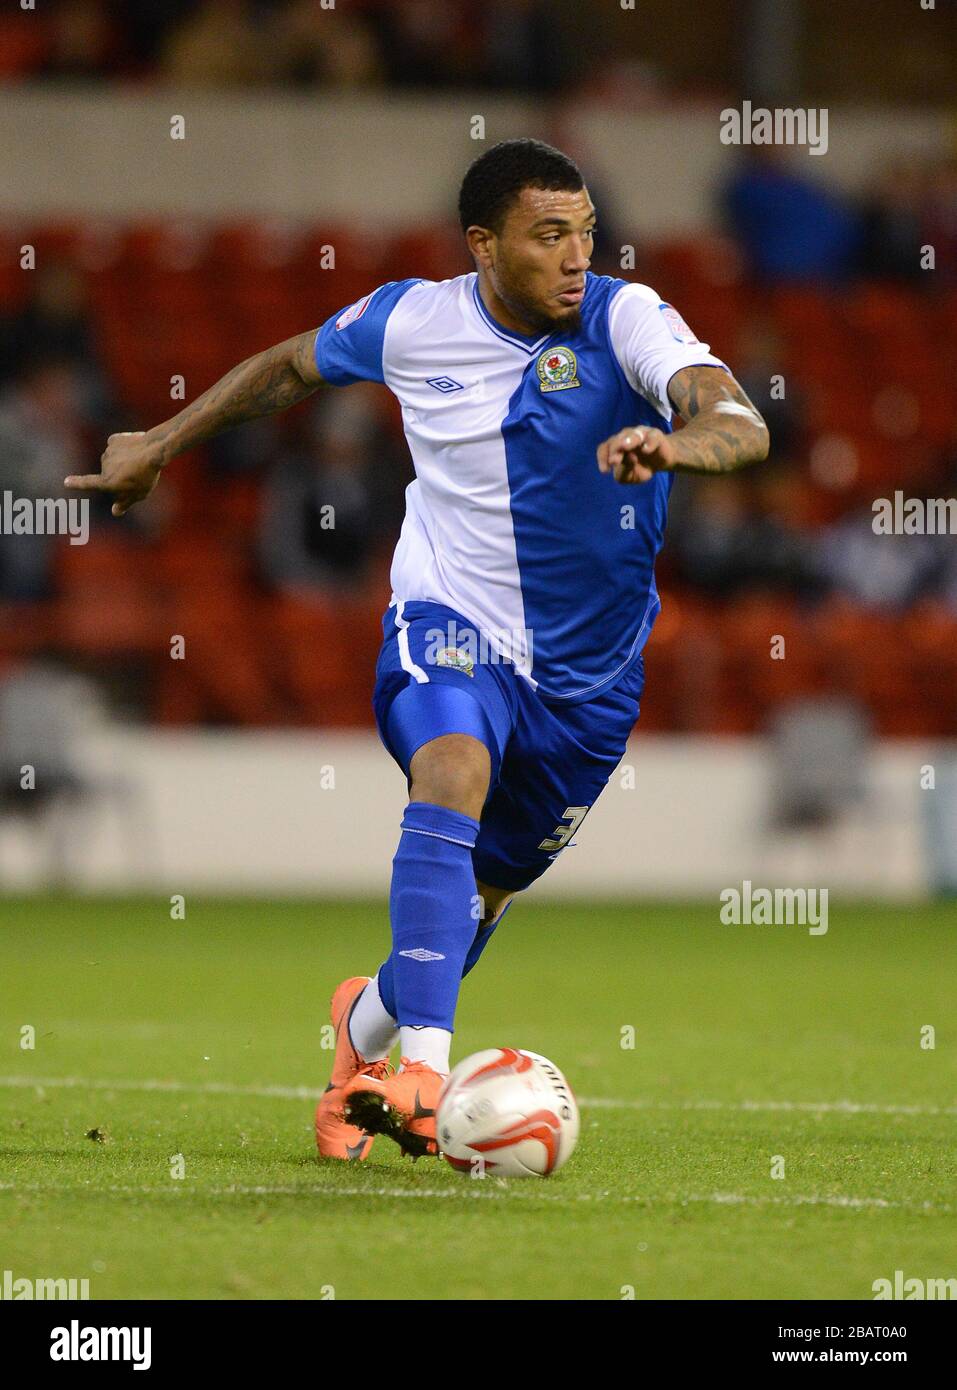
(445, 384)
(420, 953)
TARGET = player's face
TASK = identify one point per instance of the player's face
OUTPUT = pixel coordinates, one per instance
(537, 263)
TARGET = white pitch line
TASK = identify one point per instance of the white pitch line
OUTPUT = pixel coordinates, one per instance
(207, 1088)
(304, 1093)
(831, 1107)
(483, 1191)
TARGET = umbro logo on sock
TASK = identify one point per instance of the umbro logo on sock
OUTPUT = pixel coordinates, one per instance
(420, 953)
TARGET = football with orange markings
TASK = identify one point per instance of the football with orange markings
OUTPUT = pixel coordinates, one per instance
(508, 1113)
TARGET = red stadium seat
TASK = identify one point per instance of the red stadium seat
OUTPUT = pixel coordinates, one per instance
(107, 606)
(25, 42)
(437, 253)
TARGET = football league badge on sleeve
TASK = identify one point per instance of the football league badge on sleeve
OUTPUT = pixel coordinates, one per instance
(355, 311)
(677, 327)
(557, 369)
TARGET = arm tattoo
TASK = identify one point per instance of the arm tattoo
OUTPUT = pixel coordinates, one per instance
(723, 429)
(272, 380)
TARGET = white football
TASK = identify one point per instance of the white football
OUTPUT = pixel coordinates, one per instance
(508, 1113)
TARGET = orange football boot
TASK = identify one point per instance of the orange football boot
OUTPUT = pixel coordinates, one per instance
(335, 1138)
(402, 1105)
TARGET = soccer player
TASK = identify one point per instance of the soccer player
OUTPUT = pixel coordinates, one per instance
(537, 401)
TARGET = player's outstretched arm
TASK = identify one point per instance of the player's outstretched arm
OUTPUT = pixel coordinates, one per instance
(272, 380)
(723, 431)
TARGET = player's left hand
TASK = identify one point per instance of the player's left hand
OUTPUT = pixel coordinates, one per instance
(636, 454)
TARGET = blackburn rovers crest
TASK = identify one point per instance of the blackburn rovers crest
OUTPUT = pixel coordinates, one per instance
(557, 369)
(457, 659)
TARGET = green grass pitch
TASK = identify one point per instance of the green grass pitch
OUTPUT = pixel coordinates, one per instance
(201, 1038)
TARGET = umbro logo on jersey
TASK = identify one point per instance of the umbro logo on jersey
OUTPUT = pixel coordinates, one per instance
(445, 384)
(421, 954)
(557, 369)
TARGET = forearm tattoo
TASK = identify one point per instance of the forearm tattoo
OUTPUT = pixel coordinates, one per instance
(723, 431)
(271, 381)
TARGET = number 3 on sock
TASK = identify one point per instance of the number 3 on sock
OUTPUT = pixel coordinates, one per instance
(561, 835)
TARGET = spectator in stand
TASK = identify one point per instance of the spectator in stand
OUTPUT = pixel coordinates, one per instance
(946, 487)
(727, 541)
(83, 41)
(73, 39)
(55, 323)
(25, 40)
(329, 506)
(743, 538)
(941, 224)
(528, 45)
(220, 45)
(315, 46)
(894, 225)
(878, 571)
(41, 441)
(948, 580)
(146, 27)
(429, 43)
(760, 355)
(707, 535)
(791, 227)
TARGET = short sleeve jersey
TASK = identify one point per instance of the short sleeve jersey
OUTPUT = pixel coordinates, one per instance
(509, 521)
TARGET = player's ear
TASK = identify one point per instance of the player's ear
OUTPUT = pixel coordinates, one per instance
(480, 241)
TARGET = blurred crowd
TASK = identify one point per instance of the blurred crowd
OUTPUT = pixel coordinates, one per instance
(248, 43)
(619, 52)
(794, 227)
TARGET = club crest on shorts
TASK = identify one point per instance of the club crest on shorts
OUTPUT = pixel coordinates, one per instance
(557, 369)
(456, 659)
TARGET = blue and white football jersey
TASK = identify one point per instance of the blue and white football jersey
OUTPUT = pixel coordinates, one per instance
(509, 521)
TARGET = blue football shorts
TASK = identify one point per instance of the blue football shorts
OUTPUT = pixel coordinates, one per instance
(550, 762)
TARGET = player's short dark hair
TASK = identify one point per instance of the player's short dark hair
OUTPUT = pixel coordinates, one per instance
(494, 180)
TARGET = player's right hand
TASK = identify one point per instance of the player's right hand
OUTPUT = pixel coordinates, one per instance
(130, 467)
(636, 454)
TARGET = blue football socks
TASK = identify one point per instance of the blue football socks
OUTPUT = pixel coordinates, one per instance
(431, 908)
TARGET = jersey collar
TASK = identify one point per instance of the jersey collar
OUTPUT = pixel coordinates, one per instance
(507, 335)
